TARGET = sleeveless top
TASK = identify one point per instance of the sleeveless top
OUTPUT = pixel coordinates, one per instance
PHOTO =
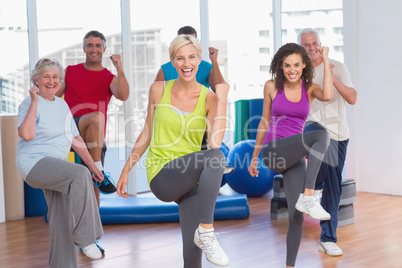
(88, 91)
(287, 117)
(174, 135)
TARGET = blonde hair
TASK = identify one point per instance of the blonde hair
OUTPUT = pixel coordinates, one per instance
(182, 40)
(44, 65)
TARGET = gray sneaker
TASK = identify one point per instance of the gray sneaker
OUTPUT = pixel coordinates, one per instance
(228, 170)
(210, 246)
(330, 248)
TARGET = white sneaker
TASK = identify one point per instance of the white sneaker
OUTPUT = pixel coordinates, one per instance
(312, 207)
(210, 246)
(318, 193)
(92, 251)
(330, 248)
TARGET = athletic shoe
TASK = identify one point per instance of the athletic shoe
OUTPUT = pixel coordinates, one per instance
(100, 248)
(92, 251)
(330, 248)
(318, 193)
(228, 170)
(210, 246)
(312, 207)
(106, 186)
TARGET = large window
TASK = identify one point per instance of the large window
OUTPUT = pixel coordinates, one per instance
(324, 16)
(13, 55)
(159, 20)
(61, 28)
(247, 35)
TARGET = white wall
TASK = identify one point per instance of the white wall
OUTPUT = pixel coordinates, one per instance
(373, 52)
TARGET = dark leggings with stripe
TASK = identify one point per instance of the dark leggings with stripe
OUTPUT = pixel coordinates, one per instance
(287, 156)
(193, 182)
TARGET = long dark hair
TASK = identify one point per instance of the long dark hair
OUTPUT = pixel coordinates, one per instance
(277, 61)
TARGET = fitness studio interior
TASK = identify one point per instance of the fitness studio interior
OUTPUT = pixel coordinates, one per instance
(250, 213)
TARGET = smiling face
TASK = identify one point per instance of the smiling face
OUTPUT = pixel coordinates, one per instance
(94, 49)
(292, 67)
(186, 62)
(48, 83)
(310, 42)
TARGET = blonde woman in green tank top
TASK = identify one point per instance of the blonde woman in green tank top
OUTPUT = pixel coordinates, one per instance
(179, 111)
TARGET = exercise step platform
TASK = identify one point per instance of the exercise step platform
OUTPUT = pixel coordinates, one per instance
(346, 215)
(279, 191)
(348, 195)
(279, 206)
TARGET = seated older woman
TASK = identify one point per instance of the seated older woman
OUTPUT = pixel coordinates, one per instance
(47, 132)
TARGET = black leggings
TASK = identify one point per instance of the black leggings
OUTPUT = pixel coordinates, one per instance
(286, 156)
(193, 182)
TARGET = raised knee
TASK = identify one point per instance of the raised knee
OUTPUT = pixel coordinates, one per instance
(81, 174)
(98, 118)
(326, 137)
(93, 120)
(215, 158)
(218, 153)
(322, 136)
(219, 156)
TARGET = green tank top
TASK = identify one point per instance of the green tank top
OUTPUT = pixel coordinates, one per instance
(174, 135)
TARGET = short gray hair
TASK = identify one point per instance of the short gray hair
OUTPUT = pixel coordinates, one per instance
(94, 33)
(307, 31)
(44, 65)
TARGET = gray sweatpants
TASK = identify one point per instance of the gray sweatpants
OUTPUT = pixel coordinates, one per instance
(193, 182)
(286, 156)
(73, 214)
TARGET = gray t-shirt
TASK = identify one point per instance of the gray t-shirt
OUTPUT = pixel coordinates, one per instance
(332, 114)
(55, 130)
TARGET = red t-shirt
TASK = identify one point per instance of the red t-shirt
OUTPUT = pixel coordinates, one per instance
(87, 91)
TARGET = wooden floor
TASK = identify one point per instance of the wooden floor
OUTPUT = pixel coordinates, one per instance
(374, 240)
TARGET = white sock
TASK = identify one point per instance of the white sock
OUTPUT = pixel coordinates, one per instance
(99, 165)
(202, 230)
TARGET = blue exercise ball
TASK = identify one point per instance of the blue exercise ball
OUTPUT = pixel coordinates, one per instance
(241, 181)
(225, 150)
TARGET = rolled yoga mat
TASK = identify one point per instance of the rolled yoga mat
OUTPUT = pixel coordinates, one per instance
(255, 113)
(241, 120)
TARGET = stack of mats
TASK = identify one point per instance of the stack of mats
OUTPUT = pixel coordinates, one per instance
(247, 117)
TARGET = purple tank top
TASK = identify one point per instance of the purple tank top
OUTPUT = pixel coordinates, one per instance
(287, 118)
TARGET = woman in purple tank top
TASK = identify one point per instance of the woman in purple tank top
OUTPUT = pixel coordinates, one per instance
(281, 140)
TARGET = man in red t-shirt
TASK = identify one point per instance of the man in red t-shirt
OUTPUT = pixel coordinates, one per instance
(87, 89)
